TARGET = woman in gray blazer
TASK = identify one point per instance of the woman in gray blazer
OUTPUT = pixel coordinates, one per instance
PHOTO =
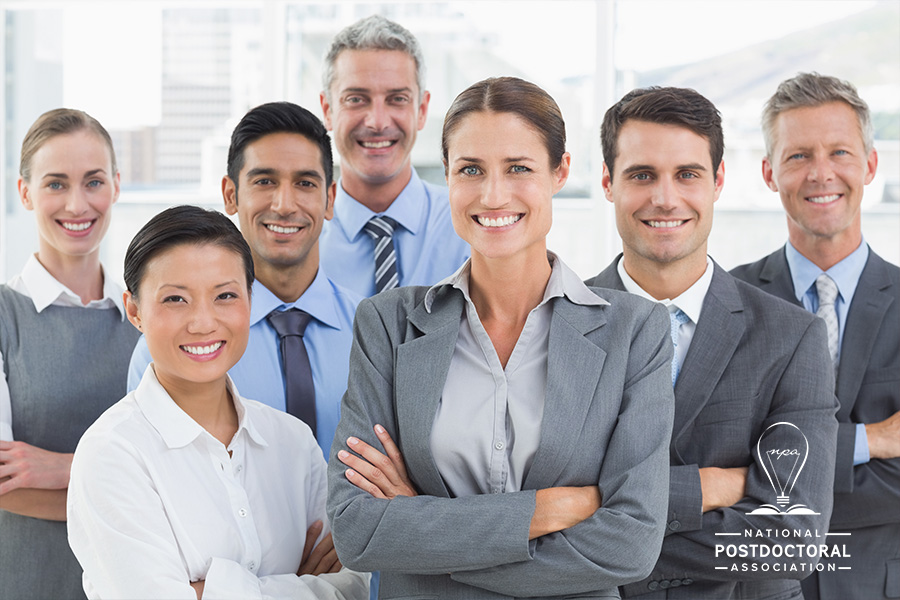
(531, 414)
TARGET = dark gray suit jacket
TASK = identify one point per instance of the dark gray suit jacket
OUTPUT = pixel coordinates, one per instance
(867, 497)
(607, 421)
(754, 361)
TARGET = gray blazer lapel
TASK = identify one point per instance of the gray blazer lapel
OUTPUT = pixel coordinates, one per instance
(870, 303)
(775, 277)
(573, 372)
(608, 277)
(715, 340)
(421, 370)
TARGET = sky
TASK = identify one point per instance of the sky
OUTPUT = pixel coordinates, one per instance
(555, 40)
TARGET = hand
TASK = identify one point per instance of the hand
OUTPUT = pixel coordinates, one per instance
(559, 508)
(25, 466)
(721, 488)
(382, 476)
(884, 437)
(318, 558)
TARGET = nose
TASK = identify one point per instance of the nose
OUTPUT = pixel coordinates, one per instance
(282, 200)
(377, 118)
(495, 193)
(821, 169)
(76, 201)
(202, 318)
(664, 193)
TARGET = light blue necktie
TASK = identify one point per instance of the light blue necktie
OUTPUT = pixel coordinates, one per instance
(827, 291)
(676, 320)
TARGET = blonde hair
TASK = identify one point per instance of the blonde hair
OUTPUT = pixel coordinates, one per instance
(60, 121)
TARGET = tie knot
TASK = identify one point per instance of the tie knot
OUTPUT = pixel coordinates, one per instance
(677, 318)
(380, 227)
(292, 321)
(826, 289)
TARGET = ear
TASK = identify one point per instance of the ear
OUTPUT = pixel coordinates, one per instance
(720, 179)
(769, 174)
(871, 166)
(229, 195)
(117, 184)
(562, 172)
(131, 309)
(423, 109)
(329, 201)
(326, 110)
(25, 194)
(606, 182)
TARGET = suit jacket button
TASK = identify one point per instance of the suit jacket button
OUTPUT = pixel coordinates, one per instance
(664, 584)
(687, 581)
(675, 583)
(653, 585)
(674, 525)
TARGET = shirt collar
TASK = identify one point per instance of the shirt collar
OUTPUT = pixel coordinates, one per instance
(689, 301)
(175, 426)
(44, 289)
(407, 209)
(318, 300)
(563, 282)
(845, 274)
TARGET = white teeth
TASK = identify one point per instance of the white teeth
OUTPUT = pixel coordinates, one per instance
(664, 224)
(77, 226)
(376, 145)
(823, 199)
(499, 222)
(202, 350)
(278, 229)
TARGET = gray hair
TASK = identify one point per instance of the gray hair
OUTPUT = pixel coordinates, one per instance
(809, 90)
(374, 33)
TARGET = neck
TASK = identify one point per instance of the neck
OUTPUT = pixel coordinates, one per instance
(664, 280)
(81, 274)
(508, 289)
(377, 196)
(208, 403)
(825, 252)
(291, 282)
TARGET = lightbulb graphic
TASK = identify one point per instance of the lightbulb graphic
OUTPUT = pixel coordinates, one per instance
(782, 451)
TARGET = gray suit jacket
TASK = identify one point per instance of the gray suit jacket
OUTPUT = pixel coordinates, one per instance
(867, 497)
(607, 422)
(754, 361)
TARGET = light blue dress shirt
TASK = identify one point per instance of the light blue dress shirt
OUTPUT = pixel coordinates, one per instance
(427, 247)
(259, 374)
(846, 275)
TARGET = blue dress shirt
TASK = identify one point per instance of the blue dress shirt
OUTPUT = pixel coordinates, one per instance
(427, 247)
(846, 275)
(259, 374)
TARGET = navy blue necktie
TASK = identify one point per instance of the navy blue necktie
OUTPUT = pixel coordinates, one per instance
(300, 394)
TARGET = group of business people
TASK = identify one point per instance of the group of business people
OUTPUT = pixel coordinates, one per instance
(495, 427)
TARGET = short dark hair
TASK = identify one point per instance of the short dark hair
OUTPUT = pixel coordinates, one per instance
(510, 95)
(681, 107)
(278, 117)
(183, 225)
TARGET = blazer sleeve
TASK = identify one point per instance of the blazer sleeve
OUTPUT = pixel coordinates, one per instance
(482, 540)
(803, 396)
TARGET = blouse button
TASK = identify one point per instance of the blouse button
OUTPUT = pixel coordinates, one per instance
(243, 512)
(498, 445)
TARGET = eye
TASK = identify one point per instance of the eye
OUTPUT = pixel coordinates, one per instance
(470, 171)
(354, 100)
(520, 169)
(172, 299)
(688, 175)
(841, 152)
(227, 296)
(94, 183)
(641, 177)
(263, 181)
(56, 185)
(796, 156)
(400, 99)
(307, 183)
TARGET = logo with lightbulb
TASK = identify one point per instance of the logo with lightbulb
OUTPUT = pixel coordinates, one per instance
(782, 449)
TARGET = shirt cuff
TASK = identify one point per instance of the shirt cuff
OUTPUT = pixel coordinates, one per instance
(227, 580)
(861, 446)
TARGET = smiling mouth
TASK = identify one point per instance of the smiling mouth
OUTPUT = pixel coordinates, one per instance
(377, 145)
(498, 222)
(665, 224)
(280, 229)
(823, 199)
(77, 227)
(202, 350)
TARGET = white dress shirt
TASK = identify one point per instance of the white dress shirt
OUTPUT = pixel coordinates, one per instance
(37, 283)
(690, 301)
(156, 502)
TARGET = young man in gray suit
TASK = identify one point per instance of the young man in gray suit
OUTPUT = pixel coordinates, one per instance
(819, 158)
(753, 380)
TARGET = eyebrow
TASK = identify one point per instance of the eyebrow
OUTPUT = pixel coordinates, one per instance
(310, 173)
(512, 159)
(362, 90)
(185, 287)
(90, 173)
(685, 167)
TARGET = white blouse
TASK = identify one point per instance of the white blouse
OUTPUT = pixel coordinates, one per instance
(156, 502)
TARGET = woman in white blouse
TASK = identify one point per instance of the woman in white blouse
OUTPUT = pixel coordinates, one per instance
(183, 489)
(64, 346)
(532, 414)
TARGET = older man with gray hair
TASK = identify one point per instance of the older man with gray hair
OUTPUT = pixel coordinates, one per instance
(390, 228)
(819, 157)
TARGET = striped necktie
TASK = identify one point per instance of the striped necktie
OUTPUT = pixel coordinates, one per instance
(827, 291)
(381, 229)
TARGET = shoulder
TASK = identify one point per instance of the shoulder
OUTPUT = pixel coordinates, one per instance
(346, 298)
(120, 429)
(436, 193)
(751, 271)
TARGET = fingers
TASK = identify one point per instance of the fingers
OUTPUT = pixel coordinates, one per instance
(8, 484)
(392, 451)
(312, 534)
(322, 559)
(361, 482)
